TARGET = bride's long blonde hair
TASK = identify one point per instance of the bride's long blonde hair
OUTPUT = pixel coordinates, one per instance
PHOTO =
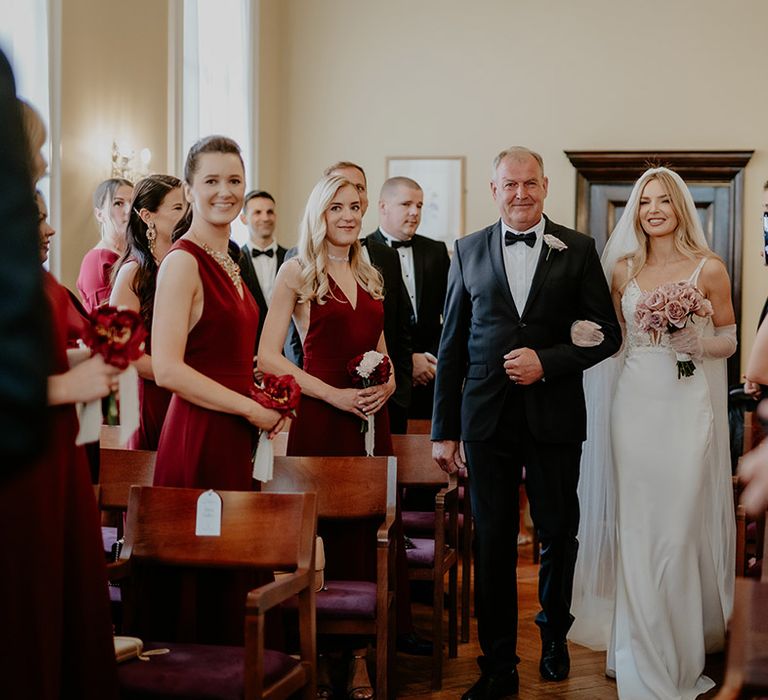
(689, 234)
(313, 252)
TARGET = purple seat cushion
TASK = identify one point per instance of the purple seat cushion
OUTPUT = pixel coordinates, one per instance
(423, 554)
(195, 672)
(423, 522)
(344, 599)
(108, 537)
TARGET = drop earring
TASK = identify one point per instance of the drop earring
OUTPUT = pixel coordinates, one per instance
(151, 236)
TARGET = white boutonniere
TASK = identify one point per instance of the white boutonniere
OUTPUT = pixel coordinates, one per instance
(553, 243)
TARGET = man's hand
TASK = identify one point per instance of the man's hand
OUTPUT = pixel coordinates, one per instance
(447, 455)
(523, 366)
(752, 388)
(423, 369)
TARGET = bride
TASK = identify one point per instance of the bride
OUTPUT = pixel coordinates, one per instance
(655, 572)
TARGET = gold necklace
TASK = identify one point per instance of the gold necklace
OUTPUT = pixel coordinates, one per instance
(225, 262)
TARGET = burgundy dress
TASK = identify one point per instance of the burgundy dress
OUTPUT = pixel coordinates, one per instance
(153, 407)
(94, 283)
(337, 333)
(201, 448)
(56, 639)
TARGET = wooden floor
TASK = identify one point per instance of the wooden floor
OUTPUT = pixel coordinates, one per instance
(587, 680)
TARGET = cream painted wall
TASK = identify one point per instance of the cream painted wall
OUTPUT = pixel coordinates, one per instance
(113, 85)
(363, 80)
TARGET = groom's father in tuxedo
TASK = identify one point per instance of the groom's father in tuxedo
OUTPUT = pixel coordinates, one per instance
(509, 385)
(261, 256)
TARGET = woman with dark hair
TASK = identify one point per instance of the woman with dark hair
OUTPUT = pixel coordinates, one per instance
(157, 206)
(111, 206)
(204, 335)
(54, 603)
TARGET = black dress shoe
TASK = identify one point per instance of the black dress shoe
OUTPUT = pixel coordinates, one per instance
(555, 662)
(493, 686)
(414, 645)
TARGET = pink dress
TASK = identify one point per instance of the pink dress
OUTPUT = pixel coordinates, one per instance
(94, 283)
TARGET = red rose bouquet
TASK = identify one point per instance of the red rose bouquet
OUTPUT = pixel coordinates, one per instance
(372, 368)
(118, 335)
(669, 308)
(282, 394)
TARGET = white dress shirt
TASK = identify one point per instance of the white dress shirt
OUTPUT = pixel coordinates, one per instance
(520, 263)
(407, 269)
(265, 268)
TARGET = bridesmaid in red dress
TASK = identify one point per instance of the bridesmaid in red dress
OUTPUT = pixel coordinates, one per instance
(335, 298)
(111, 206)
(157, 206)
(57, 629)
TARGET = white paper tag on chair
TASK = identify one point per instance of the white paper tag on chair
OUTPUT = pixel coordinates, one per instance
(208, 514)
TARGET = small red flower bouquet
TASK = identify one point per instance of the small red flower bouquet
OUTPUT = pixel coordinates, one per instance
(371, 368)
(669, 308)
(281, 393)
(118, 335)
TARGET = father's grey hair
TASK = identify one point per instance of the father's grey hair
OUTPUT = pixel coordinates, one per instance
(516, 153)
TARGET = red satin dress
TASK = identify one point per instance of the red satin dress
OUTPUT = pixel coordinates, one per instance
(56, 639)
(94, 283)
(201, 448)
(337, 333)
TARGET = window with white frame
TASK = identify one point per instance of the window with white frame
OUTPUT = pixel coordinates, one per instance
(216, 81)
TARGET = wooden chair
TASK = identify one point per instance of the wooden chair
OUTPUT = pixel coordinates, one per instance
(424, 427)
(258, 531)
(746, 671)
(348, 489)
(433, 558)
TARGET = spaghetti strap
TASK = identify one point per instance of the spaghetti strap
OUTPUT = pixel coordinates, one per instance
(694, 278)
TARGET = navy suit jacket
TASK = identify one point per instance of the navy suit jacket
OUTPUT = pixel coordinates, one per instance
(482, 324)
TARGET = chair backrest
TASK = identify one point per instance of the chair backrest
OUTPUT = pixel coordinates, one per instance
(346, 487)
(119, 470)
(260, 531)
(419, 426)
(415, 465)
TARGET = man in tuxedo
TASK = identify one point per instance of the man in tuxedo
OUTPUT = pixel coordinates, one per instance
(261, 256)
(424, 265)
(509, 385)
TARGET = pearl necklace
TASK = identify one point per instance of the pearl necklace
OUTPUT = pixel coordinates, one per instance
(225, 262)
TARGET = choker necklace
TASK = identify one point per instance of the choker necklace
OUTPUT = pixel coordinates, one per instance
(338, 258)
(224, 261)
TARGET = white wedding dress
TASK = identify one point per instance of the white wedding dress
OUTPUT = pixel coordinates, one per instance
(674, 518)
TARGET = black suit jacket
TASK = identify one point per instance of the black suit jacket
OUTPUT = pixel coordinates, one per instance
(482, 325)
(252, 282)
(24, 319)
(430, 263)
(397, 321)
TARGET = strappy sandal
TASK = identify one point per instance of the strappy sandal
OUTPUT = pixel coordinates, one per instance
(361, 692)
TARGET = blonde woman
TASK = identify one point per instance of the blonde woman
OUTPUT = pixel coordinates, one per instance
(659, 594)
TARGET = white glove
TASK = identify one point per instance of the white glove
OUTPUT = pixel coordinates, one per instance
(722, 344)
(586, 334)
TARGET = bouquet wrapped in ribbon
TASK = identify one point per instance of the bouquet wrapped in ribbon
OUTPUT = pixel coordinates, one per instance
(281, 393)
(372, 368)
(118, 335)
(669, 308)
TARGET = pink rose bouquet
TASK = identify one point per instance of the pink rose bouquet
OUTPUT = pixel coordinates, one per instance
(669, 308)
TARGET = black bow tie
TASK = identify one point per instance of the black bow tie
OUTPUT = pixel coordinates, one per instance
(269, 253)
(401, 244)
(528, 238)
